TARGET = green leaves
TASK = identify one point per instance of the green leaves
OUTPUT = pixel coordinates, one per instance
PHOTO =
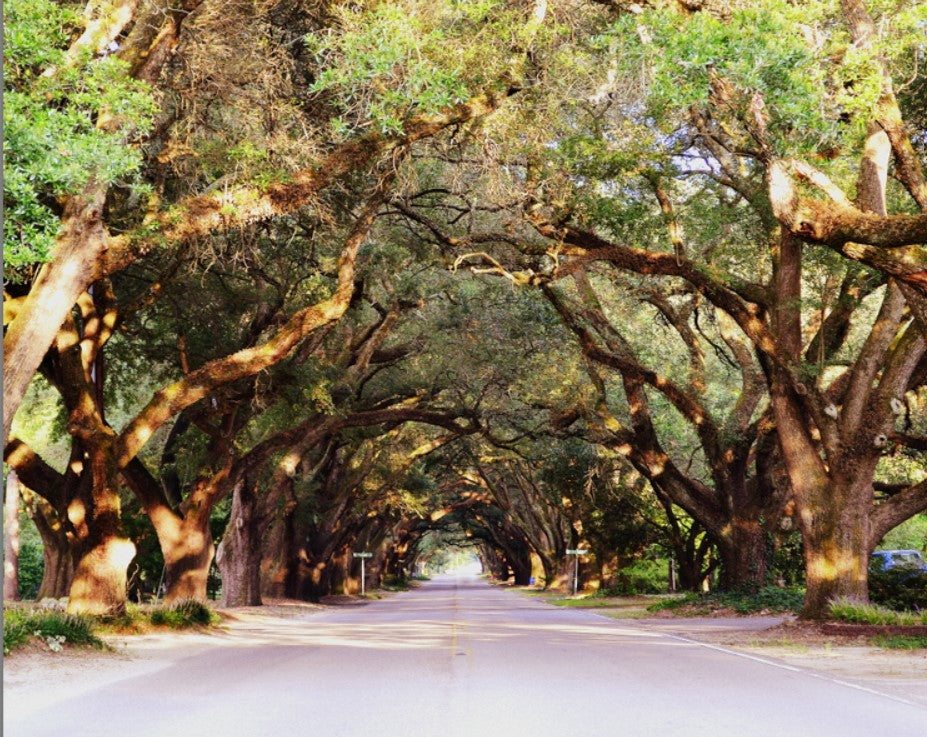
(399, 59)
(63, 130)
(760, 49)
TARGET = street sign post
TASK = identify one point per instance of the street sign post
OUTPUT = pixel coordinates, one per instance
(363, 558)
(577, 552)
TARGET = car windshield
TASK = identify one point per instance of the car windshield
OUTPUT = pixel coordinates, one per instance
(907, 558)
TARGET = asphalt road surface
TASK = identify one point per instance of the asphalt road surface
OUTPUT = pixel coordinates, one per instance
(458, 657)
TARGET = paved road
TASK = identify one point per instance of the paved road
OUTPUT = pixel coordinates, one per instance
(457, 657)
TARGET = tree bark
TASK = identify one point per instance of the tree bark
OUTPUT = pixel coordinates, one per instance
(59, 283)
(239, 553)
(11, 537)
(100, 579)
(744, 558)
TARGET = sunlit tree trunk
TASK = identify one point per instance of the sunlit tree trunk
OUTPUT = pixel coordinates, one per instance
(11, 537)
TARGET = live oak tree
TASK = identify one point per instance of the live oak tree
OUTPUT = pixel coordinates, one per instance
(748, 175)
(85, 250)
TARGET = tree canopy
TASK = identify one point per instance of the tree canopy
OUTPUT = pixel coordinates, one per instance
(305, 278)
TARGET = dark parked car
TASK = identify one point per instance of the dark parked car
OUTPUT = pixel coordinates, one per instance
(885, 560)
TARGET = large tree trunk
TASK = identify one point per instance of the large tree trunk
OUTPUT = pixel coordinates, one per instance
(11, 537)
(59, 283)
(836, 540)
(520, 563)
(56, 550)
(744, 556)
(239, 553)
(187, 556)
(100, 578)
(279, 558)
(314, 580)
(100, 581)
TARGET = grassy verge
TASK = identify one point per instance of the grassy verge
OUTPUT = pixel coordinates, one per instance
(770, 600)
(854, 612)
(900, 642)
(57, 629)
(618, 607)
(53, 628)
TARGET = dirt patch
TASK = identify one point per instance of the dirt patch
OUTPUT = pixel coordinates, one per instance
(272, 608)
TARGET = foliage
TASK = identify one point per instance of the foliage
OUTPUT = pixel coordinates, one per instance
(909, 535)
(31, 558)
(641, 577)
(392, 582)
(899, 589)
(856, 612)
(53, 627)
(55, 142)
(183, 614)
(405, 58)
(771, 599)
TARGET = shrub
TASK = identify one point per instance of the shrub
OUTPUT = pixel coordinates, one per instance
(641, 577)
(856, 612)
(181, 614)
(771, 599)
(55, 628)
(898, 588)
(391, 582)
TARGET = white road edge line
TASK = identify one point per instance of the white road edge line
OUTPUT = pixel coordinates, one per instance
(764, 661)
(795, 669)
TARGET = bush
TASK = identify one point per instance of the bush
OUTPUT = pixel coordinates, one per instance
(182, 614)
(641, 577)
(392, 582)
(772, 599)
(55, 628)
(898, 588)
(856, 612)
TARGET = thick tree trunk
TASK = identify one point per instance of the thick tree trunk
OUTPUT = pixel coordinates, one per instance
(55, 290)
(11, 537)
(520, 563)
(279, 558)
(100, 578)
(315, 580)
(744, 556)
(239, 553)
(59, 569)
(836, 544)
(56, 551)
(100, 581)
(187, 557)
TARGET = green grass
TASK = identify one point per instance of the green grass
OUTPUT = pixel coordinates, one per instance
(855, 612)
(585, 603)
(57, 629)
(900, 642)
(183, 614)
(772, 599)
(54, 628)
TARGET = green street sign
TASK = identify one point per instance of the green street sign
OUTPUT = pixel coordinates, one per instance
(363, 555)
(577, 552)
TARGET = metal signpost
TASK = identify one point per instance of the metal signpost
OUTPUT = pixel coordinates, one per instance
(578, 552)
(363, 557)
